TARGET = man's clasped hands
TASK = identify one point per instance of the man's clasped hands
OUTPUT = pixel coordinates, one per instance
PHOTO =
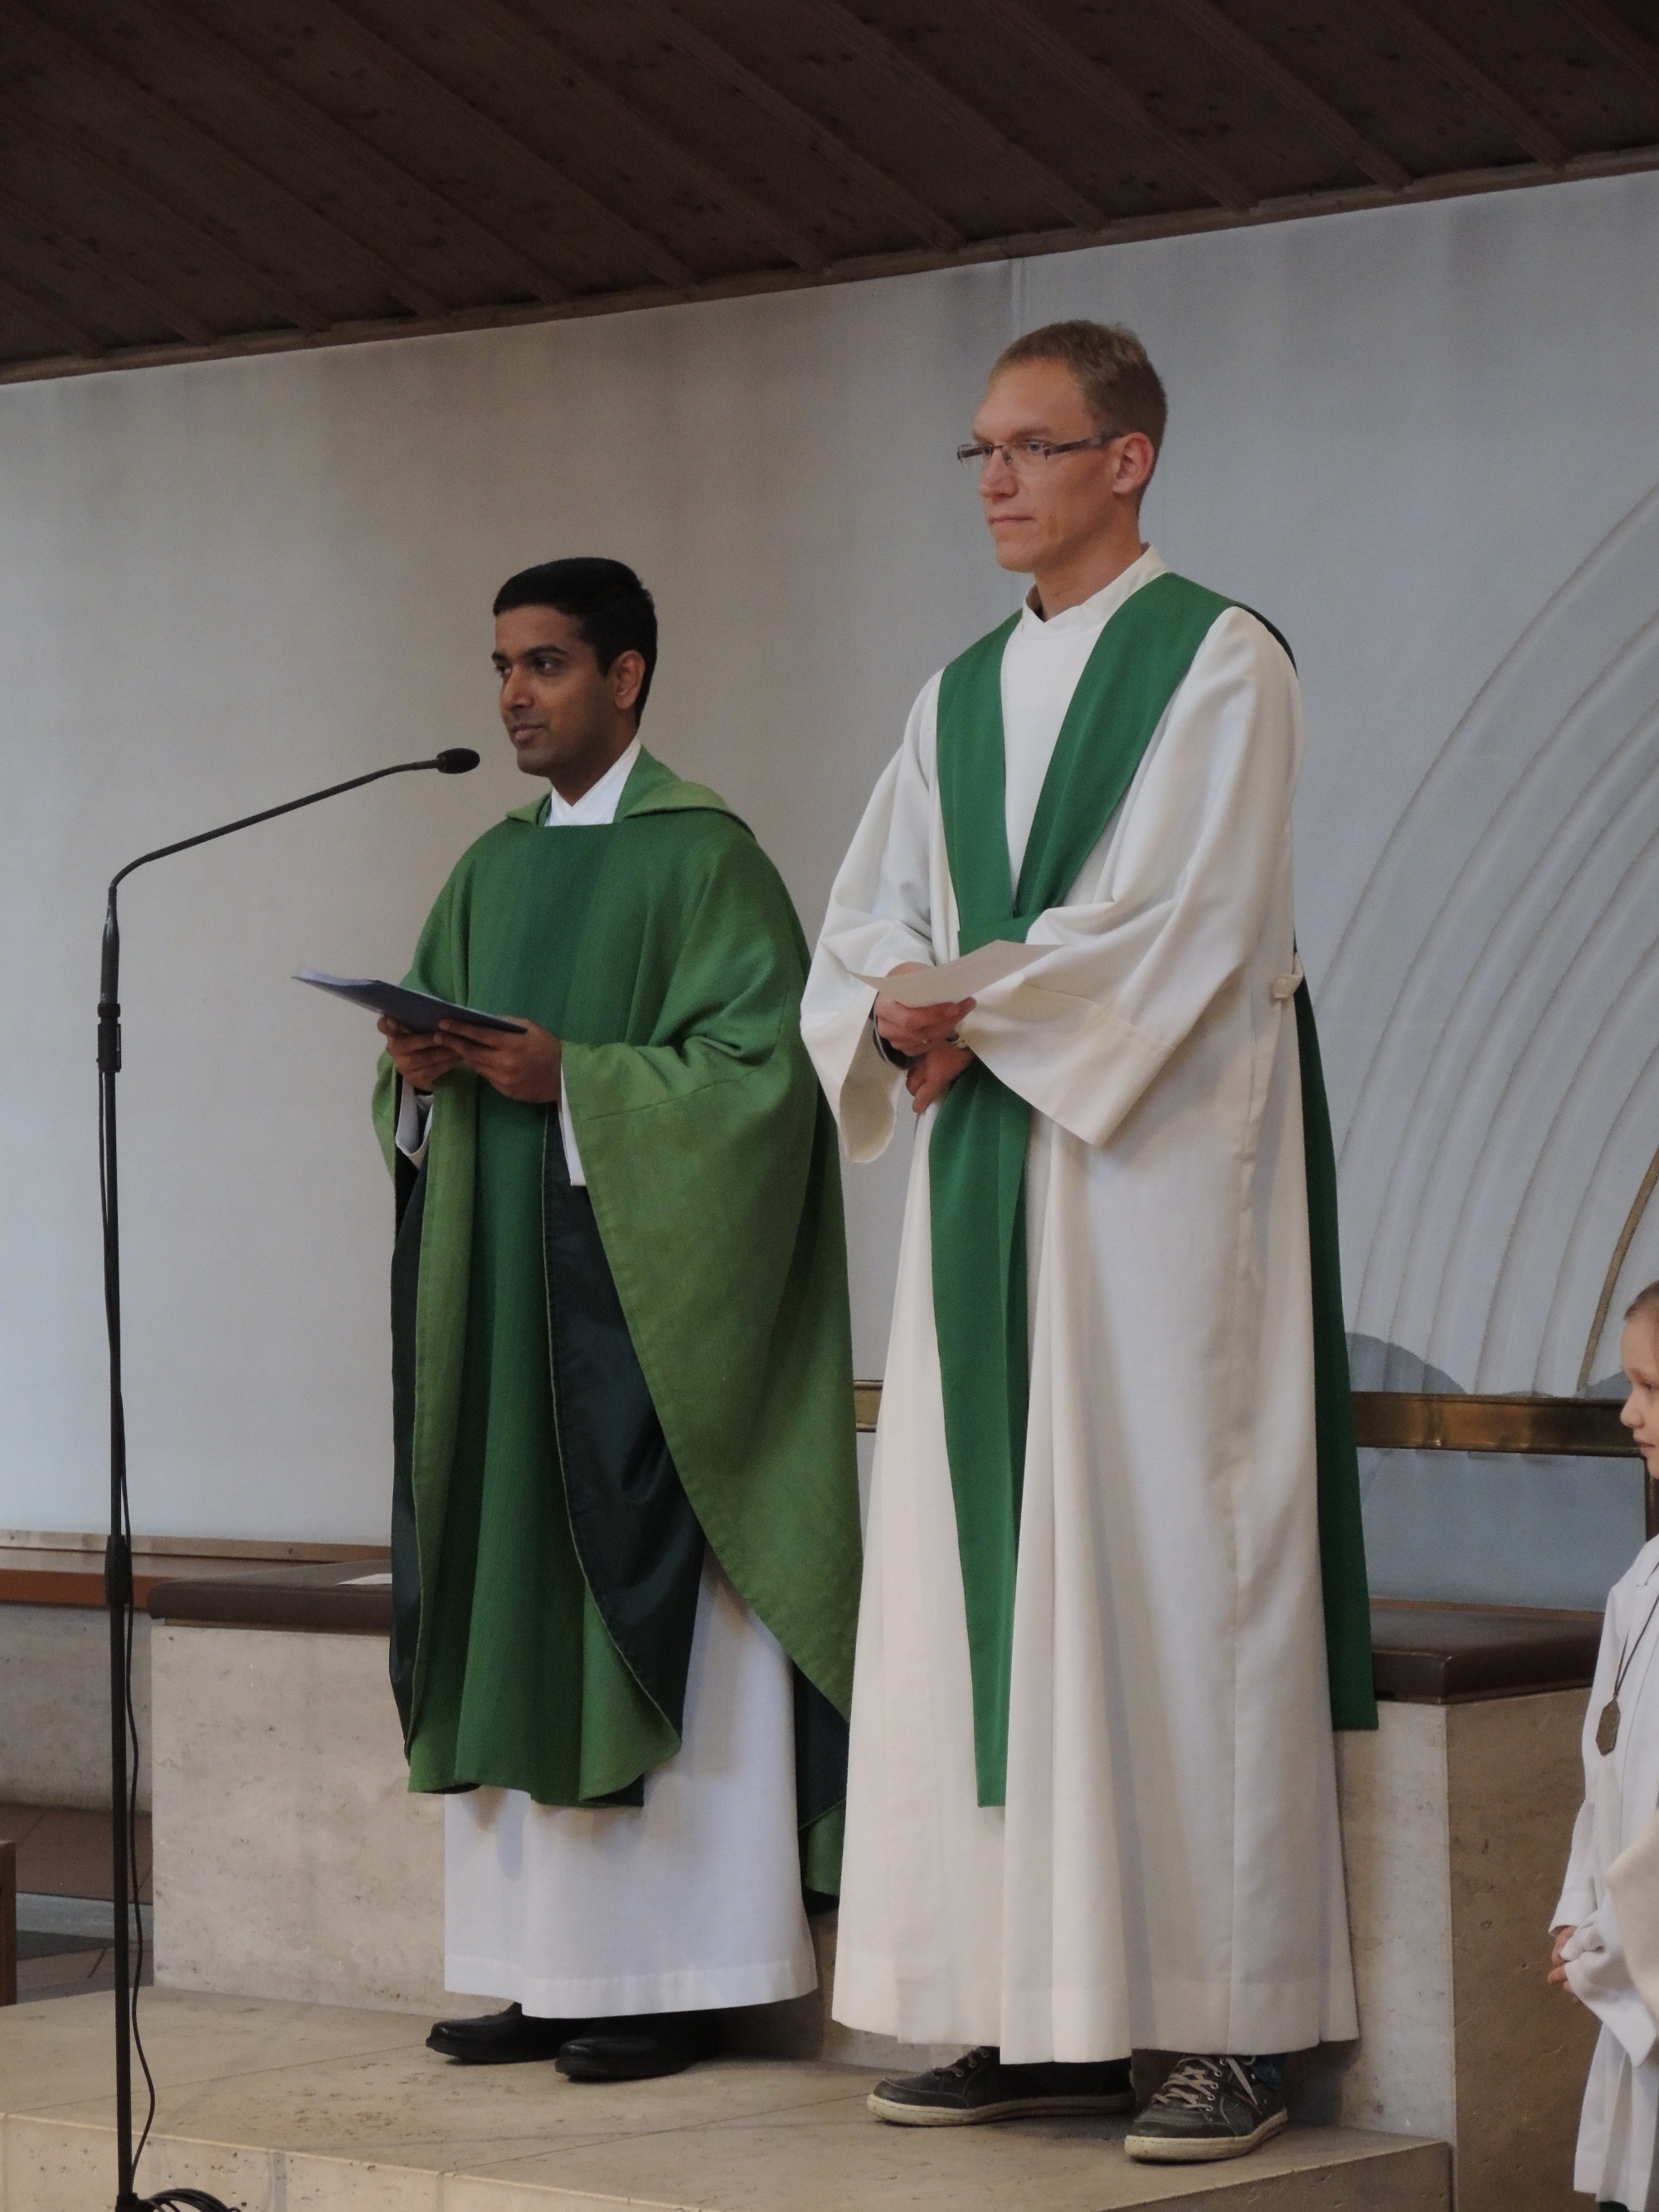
(522, 1065)
(929, 1031)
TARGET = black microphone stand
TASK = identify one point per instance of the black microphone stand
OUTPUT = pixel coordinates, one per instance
(117, 1557)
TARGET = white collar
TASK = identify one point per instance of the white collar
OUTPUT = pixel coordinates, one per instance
(599, 803)
(1092, 613)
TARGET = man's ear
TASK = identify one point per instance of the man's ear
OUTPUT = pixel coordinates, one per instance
(627, 674)
(1137, 457)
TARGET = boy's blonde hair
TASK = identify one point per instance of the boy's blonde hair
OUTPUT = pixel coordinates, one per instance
(1646, 1301)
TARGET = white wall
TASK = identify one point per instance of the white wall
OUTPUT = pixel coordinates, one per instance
(1401, 434)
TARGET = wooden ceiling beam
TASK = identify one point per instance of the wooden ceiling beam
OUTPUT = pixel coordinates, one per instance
(1618, 37)
(419, 298)
(666, 267)
(535, 47)
(852, 167)
(150, 299)
(196, 233)
(1102, 91)
(78, 343)
(323, 129)
(1253, 60)
(951, 109)
(1499, 177)
(1472, 80)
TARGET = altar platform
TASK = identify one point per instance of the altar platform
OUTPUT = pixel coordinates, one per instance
(284, 2108)
(298, 1944)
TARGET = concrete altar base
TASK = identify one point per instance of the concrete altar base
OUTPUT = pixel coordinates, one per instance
(291, 1862)
(280, 2108)
(1456, 1821)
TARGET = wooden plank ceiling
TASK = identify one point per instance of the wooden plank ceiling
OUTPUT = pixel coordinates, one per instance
(184, 178)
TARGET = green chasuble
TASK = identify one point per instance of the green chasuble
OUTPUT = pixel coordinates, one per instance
(590, 1384)
(976, 1155)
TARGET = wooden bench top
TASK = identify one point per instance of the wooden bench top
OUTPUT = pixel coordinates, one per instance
(1425, 1654)
(332, 1597)
(72, 1575)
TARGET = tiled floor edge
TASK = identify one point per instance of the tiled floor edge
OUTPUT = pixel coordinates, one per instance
(478, 2192)
(42, 2156)
(39, 2155)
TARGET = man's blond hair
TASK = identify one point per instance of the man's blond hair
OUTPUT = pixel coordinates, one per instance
(1118, 382)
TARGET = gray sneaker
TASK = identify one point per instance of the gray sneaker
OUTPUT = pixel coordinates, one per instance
(977, 2087)
(1209, 2108)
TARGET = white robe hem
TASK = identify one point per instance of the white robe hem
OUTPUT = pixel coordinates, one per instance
(692, 1988)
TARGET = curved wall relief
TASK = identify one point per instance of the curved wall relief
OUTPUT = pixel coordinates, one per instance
(1507, 1099)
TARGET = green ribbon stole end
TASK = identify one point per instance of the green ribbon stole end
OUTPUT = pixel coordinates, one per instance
(976, 1155)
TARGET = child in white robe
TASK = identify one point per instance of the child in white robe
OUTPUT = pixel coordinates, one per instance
(1620, 2119)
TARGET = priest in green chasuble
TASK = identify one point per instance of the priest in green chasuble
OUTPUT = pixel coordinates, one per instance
(1114, 1597)
(625, 1554)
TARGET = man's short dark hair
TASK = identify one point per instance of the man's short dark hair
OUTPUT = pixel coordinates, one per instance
(605, 599)
(1118, 382)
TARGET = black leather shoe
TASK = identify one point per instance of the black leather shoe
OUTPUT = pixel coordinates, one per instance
(979, 2087)
(639, 2048)
(502, 2038)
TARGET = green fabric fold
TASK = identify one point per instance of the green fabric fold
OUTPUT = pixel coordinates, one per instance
(977, 1151)
(1341, 1523)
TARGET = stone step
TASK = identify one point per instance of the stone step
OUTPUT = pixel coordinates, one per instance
(276, 2107)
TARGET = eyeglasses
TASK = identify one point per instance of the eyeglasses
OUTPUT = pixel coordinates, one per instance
(1026, 455)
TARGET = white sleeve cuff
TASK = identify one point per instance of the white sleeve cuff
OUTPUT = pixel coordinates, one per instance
(1601, 1980)
(1598, 1974)
(573, 1158)
(414, 1122)
(863, 1087)
(1075, 1061)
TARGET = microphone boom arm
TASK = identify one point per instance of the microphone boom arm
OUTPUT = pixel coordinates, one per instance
(454, 762)
(289, 806)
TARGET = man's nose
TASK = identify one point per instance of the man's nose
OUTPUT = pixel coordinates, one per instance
(515, 687)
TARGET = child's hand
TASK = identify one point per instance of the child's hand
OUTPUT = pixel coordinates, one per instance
(1557, 1969)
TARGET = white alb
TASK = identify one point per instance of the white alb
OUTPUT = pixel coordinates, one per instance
(1620, 2116)
(1167, 1872)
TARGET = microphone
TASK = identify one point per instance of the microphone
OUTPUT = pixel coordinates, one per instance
(118, 1554)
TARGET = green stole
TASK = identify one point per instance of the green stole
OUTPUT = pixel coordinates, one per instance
(528, 1684)
(977, 1151)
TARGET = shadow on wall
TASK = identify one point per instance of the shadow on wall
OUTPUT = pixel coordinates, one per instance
(1493, 1005)
(1491, 1528)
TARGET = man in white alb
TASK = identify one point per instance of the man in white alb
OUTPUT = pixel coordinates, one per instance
(1092, 1801)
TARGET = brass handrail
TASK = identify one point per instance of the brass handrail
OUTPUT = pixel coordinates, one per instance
(1426, 1420)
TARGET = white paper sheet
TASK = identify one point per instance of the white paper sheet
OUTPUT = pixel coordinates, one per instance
(959, 979)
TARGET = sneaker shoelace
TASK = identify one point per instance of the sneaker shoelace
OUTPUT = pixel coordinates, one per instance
(1196, 2083)
(970, 2062)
